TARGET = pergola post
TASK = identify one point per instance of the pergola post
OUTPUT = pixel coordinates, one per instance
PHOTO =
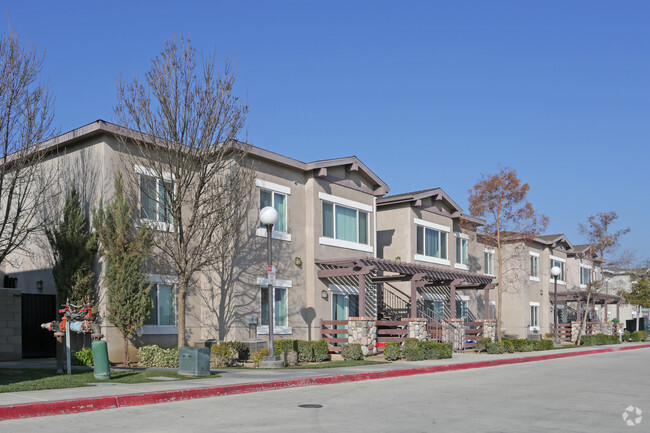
(604, 310)
(618, 310)
(416, 281)
(452, 298)
(579, 310)
(362, 295)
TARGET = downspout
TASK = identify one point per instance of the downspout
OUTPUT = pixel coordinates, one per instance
(374, 232)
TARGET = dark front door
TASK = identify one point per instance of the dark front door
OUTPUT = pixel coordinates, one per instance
(38, 309)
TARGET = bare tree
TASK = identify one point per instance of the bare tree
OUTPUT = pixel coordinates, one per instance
(25, 121)
(193, 181)
(501, 200)
(602, 243)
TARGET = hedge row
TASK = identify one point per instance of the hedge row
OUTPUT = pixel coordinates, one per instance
(599, 340)
(511, 345)
(308, 351)
(228, 353)
(416, 350)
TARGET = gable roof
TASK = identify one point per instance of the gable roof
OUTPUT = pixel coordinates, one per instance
(351, 163)
(416, 197)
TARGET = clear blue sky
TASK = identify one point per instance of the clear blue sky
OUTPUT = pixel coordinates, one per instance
(427, 94)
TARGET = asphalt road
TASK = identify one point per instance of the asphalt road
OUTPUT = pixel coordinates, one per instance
(580, 394)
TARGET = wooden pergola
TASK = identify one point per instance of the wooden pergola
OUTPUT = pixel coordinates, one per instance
(580, 297)
(418, 275)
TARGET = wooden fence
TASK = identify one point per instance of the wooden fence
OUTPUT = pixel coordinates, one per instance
(473, 331)
(334, 332)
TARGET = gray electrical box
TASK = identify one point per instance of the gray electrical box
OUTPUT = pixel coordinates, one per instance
(194, 361)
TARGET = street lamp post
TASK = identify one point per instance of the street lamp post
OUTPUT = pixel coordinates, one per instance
(555, 272)
(268, 217)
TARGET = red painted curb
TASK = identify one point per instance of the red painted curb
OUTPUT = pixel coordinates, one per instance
(61, 407)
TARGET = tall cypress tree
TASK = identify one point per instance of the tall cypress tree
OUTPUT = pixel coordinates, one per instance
(125, 250)
(74, 248)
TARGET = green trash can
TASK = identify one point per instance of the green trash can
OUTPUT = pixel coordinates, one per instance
(100, 360)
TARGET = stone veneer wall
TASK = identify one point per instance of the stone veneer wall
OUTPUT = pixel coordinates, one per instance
(489, 329)
(11, 346)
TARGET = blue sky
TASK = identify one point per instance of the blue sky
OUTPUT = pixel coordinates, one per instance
(427, 94)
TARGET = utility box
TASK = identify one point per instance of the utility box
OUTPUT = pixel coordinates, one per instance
(194, 361)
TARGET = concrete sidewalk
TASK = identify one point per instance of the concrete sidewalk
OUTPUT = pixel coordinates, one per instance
(236, 381)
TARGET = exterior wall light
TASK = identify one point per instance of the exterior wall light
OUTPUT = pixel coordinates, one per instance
(323, 294)
(298, 261)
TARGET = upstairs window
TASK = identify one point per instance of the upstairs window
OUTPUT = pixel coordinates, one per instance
(585, 275)
(278, 201)
(462, 256)
(156, 197)
(488, 262)
(344, 223)
(534, 267)
(560, 263)
(431, 242)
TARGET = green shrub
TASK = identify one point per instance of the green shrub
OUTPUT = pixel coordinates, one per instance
(284, 345)
(495, 348)
(83, 357)
(321, 350)
(638, 336)
(305, 351)
(626, 335)
(546, 345)
(256, 357)
(226, 353)
(352, 352)
(588, 340)
(482, 343)
(522, 345)
(154, 356)
(392, 351)
(412, 350)
(601, 339)
(434, 350)
(508, 346)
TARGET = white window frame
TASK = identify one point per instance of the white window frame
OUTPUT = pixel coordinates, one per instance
(491, 253)
(169, 280)
(275, 188)
(438, 228)
(262, 283)
(166, 177)
(563, 268)
(533, 257)
(350, 204)
(462, 237)
(534, 326)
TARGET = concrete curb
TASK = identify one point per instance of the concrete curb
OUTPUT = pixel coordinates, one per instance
(61, 407)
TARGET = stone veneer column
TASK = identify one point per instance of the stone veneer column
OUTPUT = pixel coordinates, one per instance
(453, 332)
(489, 329)
(575, 329)
(417, 328)
(363, 331)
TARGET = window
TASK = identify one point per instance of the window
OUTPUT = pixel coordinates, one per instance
(585, 275)
(280, 311)
(155, 197)
(461, 309)
(435, 308)
(560, 263)
(344, 306)
(344, 223)
(276, 196)
(534, 316)
(278, 201)
(488, 262)
(431, 242)
(163, 312)
(534, 267)
(462, 254)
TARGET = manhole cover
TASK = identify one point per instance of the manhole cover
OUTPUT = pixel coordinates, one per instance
(311, 406)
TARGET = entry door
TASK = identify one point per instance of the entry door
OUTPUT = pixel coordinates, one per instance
(345, 306)
(37, 309)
